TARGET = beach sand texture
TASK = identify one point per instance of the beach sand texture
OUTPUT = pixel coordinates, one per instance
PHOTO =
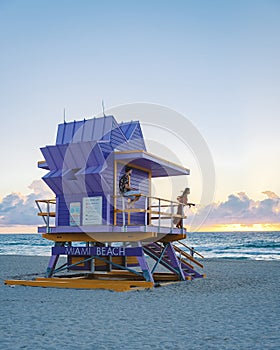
(236, 307)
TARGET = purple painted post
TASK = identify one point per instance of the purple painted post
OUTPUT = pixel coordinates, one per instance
(51, 266)
(174, 260)
(144, 266)
(53, 261)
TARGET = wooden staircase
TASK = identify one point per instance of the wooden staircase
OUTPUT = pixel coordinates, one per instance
(178, 263)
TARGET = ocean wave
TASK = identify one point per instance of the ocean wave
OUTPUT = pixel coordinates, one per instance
(225, 245)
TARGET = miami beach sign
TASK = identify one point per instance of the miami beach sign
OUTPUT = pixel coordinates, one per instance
(97, 251)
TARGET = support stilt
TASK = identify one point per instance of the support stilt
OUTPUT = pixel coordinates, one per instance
(144, 266)
(174, 261)
(53, 261)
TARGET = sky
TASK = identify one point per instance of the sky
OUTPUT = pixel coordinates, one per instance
(214, 62)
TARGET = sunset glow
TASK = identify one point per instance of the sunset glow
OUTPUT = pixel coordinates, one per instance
(239, 227)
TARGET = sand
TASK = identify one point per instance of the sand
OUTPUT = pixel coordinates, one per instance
(236, 307)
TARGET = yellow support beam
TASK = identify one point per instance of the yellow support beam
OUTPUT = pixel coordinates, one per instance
(102, 237)
(172, 237)
(82, 283)
(50, 214)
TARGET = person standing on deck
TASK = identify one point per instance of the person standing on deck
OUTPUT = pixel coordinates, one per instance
(183, 200)
(126, 190)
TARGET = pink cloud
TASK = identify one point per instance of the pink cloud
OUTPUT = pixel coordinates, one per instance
(18, 209)
(240, 209)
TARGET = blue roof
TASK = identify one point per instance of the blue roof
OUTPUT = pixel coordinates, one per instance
(83, 149)
(95, 129)
(120, 136)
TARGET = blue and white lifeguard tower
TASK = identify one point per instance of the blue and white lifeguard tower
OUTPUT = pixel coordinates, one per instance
(106, 244)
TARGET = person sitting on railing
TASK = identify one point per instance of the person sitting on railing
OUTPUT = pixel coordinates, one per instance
(183, 200)
(126, 190)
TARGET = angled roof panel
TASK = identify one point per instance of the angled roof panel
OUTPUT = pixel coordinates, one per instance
(57, 153)
(98, 128)
(117, 138)
(86, 130)
(106, 148)
(60, 134)
(69, 132)
(48, 157)
(78, 130)
(128, 128)
(133, 133)
(159, 167)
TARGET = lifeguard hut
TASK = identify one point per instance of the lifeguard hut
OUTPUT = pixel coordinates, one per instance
(105, 243)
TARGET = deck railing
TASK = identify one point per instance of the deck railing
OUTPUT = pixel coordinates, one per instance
(46, 210)
(155, 209)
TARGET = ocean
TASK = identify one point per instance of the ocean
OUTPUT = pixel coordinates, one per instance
(226, 245)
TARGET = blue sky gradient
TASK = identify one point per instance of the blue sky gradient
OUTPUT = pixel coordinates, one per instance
(216, 62)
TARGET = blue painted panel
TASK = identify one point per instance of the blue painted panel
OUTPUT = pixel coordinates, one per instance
(80, 153)
(107, 176)
(56, 210)
(63, 206)
(95, 170)
(137, 131)
(109, 124)
(78, 130)
(117, 138)
(86, 149)
(63, 182)
(43, 165)
(72, 158)
(60, 134)
(52, 185)
(71, 183)
(128, 128)
(53, 180)
(62, 212)
(96, 128)
(48, 157)
(135, 140)
(87, 130)
(106, 148)
(97, 251)
(57, 154)
(93, 183)
(140, 181)
(96, 157)
(68, 132)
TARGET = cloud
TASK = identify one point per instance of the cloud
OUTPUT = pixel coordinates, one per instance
(271, 194)
(19, 209)
(240, 209)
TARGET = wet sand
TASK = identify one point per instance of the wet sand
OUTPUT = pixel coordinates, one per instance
(236, 307)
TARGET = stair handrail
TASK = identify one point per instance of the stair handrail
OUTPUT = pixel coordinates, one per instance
(188, 256)
(192, 251)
